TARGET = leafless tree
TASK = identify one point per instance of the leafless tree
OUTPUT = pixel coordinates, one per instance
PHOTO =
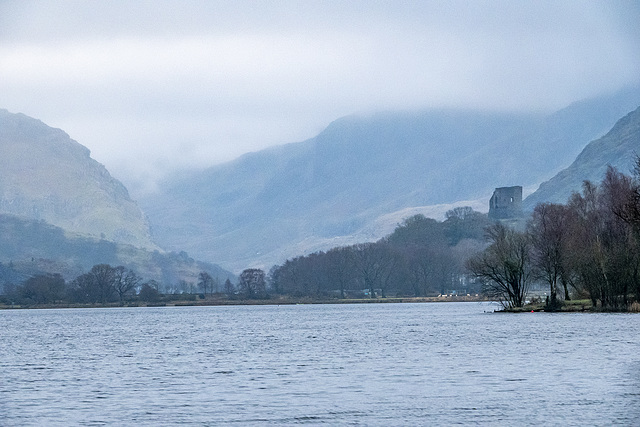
(373, 264)
(339, 264)
(205, 282)
(125, 281)
(548, 230)
(504, 267)
(42, 289)
(251, 283)
(229, 289)
(605, 253)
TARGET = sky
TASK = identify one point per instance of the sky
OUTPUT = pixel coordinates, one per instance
(154, 87)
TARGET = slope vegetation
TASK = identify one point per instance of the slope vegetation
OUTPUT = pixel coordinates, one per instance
(29, 247)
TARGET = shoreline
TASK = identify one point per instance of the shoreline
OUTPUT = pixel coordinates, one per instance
(269, 301)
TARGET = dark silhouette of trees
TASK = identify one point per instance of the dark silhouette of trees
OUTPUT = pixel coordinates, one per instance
(42, 289)
(205, 282)
(370, 265)
(96, 286)
(504, 267)
(125, 282)
(464, 223)
(605, 254)
(148, 293)
(339, 269)
(251, 283)
(229, 289)
(426, 257)
(104, 283)
(623, 199)
(548, 229)
(416, 259)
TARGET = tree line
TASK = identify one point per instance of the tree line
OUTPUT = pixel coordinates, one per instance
(422, 257)
(104, 284)
(101, 285)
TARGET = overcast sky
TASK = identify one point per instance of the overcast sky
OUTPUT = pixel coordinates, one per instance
(154, 86)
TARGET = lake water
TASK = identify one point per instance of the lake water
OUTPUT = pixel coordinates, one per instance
(369, 364)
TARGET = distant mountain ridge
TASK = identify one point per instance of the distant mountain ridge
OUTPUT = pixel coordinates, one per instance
(617, 148)
(45, 175)
(284, 201)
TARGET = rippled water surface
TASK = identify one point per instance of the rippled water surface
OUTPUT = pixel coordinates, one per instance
(370, 364)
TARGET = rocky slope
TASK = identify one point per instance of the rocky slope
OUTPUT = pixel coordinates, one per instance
(617, 148)
(45, 175)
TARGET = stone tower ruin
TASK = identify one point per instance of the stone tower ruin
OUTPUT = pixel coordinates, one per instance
(506, 203)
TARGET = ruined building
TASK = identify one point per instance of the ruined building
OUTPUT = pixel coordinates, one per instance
(506, 203)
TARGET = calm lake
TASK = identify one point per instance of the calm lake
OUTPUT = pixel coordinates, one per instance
(368, 364)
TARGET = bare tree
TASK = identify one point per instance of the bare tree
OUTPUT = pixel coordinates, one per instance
(605, 253)
(548, 230)
(373, 263)
(149, 292)
(504, 267)
(125, 281)
(339, 265)
(229, 289)
(289, 278)
(205, 282)
(42, 288)
(96, 285)
(251, 283)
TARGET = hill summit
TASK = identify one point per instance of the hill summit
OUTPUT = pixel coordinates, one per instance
(45, 175)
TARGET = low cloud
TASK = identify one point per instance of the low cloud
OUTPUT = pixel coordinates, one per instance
(190, 84)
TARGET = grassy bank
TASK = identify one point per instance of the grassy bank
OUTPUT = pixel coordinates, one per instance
(573, 306)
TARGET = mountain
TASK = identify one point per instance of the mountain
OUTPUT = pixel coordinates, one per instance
(29, 247)
(45, 175)
(62, 212)
(288, 200)
(617, 148)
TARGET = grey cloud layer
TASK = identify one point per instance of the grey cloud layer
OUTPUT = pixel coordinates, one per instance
(183, 84)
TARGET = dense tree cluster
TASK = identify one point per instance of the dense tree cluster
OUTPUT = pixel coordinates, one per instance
(421, 257)
(589, 247)
(251, 284)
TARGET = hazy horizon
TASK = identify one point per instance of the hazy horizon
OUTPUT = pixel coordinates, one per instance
(192, 84)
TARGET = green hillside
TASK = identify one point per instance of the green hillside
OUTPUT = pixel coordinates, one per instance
(46, 175)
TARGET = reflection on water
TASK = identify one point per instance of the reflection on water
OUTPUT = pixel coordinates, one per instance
(370, 364)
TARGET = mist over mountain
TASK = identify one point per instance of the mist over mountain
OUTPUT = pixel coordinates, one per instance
(45, 175)
(617, 148)
(62, 212)
(287, 200)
